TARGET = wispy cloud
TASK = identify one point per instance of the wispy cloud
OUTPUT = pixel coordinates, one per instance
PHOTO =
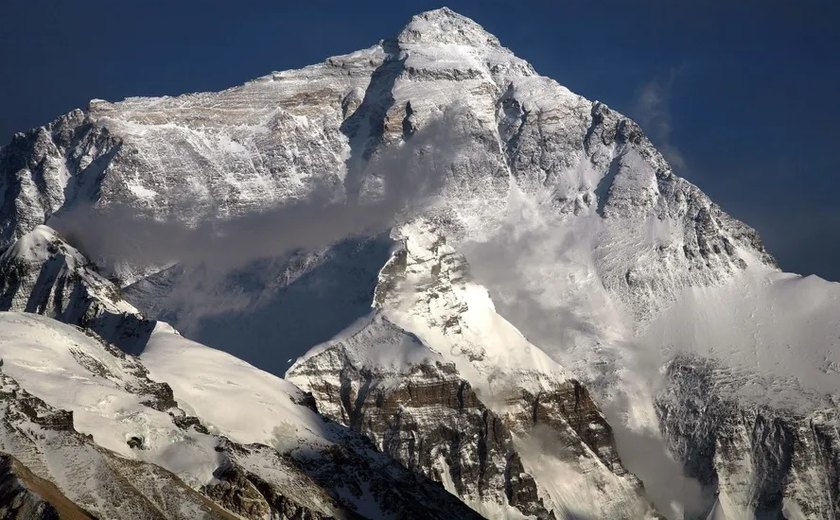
(542, 272)
(401, 180)
(653, 113)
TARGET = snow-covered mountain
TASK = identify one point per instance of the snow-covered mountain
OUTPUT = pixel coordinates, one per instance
(182, 431)
(42, 273)
(486, 281)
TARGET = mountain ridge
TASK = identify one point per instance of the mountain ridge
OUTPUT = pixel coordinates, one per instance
(551, 288)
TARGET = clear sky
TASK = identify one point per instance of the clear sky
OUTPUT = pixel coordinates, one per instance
(743, 96)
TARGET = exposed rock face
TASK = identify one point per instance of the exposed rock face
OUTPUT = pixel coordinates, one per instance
(424, 415)
(44, 168)
(569, 410)
(26, 496)
(250, 496)
(759, 461)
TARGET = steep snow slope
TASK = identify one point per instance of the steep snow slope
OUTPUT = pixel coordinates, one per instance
(248, 405)
(232, 397)
(778, 324)
(45, 440)
(107, 392)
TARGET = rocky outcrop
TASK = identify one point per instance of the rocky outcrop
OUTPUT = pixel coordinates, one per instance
(42, 273)
(249, 496)
(568, 409)
(424, 415)
(754, 460)
(24, 496)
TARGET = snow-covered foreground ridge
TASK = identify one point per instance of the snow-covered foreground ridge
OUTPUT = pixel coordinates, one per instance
(559, 327)
(79, 413)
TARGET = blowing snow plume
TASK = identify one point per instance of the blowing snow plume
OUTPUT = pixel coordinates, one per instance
(219, 270)
(542, 272)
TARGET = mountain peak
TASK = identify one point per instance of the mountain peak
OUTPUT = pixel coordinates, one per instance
(444, 25)
(33, 246)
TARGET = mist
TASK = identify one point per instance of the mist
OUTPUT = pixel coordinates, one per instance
(542, 275)
(402, 180)
(221, 265)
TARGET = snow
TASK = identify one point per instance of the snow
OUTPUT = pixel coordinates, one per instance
(773, 324)
(95, 385)
(141, 192)
(487, 350)
(232, 398)
(373, 341)
(447, 27)
(33, 246)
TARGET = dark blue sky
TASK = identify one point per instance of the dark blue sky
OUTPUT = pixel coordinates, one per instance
(745, 98)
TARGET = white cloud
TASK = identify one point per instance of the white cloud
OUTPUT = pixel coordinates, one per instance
(653, 114)
(404, 180)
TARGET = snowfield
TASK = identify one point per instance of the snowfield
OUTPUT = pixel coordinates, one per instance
(234, 399)
(72, 371)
